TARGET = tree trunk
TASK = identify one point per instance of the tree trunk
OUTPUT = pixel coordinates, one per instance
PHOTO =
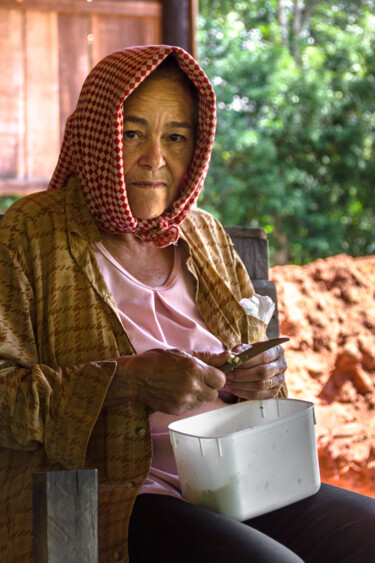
(283, 21)
(297, 28)
(291, 31)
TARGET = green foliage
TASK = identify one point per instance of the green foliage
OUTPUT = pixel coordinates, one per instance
(6, 201)
(294, 151)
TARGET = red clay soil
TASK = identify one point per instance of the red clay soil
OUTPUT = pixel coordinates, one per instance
(327, 308)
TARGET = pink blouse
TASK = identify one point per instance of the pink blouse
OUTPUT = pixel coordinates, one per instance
(160, 317)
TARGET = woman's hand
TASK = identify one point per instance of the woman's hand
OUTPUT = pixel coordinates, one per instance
(258, 378)
(170, 381)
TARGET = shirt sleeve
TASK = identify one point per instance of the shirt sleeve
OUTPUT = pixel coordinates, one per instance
(40, 405)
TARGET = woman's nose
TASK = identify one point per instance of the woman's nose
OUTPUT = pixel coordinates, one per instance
(152, 155)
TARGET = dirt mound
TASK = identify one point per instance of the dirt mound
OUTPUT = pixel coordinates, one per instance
(327, 308)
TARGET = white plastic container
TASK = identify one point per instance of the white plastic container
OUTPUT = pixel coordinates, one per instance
(249, 458)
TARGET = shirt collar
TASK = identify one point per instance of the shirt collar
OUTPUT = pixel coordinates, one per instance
(78, 216)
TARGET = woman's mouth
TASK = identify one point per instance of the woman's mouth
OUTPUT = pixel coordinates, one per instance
(149, 185)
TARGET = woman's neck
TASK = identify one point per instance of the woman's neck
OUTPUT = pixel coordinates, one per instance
(143, 260)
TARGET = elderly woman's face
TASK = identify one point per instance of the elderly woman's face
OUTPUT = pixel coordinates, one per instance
(159, 140)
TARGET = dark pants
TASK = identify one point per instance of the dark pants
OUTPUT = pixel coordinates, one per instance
(333, 526)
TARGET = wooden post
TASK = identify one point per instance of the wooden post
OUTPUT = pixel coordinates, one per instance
(65, 514)
(179, 24)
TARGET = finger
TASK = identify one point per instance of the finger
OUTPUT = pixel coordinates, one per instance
(207, 393)
(213, 378)
(201, 395)
(246, 373)
(263, 358)
(210, 375)
(215, 360)
(195, 404)
(275, 381)
(238, 387)
(253, 391)
(259, 395)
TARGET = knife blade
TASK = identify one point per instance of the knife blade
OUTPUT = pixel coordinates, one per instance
(254, 349)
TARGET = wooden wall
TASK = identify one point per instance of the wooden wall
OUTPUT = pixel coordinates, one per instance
(46, 50)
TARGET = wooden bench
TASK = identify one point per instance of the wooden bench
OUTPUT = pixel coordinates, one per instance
(65, 509)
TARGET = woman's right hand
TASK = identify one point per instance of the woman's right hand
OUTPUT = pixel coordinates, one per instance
(170, 381)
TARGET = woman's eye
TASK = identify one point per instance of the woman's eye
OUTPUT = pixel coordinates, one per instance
(130, 135)
(175, 138)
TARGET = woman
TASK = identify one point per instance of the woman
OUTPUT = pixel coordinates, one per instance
(121, 302)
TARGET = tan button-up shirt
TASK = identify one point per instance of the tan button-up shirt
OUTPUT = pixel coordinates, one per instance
(59, 329)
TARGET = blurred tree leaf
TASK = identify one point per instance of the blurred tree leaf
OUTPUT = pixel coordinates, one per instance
(294, 151)
(6, 201)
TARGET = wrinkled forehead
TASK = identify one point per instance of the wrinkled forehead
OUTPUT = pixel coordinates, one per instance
(160, 89)
(119, 74)
(169, 68)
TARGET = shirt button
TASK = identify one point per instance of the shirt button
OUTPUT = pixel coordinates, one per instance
(140, 431)
(130, 485)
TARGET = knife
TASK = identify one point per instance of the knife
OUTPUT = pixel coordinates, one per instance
(254, 349)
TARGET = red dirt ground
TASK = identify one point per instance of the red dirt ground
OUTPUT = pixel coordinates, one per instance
(327, 308)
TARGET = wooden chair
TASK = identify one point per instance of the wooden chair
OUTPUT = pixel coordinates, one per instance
(252, 246)
(65, 502)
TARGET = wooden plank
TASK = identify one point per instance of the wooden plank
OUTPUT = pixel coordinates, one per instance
(267, 287)
(111, 33)
(246, 232)
(194, 11)
(74, 64)
(254, 256)
(42, 97)
(252, 246)
(11, 94)
(152, 31)
(125, 8)
(65, 516)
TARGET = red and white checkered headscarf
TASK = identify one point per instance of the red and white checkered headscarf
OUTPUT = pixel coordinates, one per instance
(93, 139)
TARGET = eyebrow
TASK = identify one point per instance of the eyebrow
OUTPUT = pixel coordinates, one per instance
(141, 121)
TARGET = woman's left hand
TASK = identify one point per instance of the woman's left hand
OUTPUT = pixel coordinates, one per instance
(260, 377)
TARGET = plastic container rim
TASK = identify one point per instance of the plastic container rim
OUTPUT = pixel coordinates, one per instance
(253, 429)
